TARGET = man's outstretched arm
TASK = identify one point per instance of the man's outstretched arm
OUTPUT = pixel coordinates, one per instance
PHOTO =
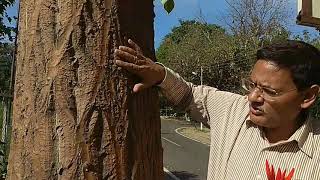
(180, 93)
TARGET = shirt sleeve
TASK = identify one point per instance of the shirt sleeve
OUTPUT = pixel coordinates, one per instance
(195, 99)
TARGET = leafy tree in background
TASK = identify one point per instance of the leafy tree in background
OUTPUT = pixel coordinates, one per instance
(6, 56)
(306, 36)
(255, 23)
(6, 50)
(6, 47)
(224, 56)
(194, 44)
(6, 30)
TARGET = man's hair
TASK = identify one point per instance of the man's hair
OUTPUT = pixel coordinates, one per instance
(302, 59)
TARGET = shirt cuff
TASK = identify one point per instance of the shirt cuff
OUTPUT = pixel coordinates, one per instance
(169, 78)
(165, 69)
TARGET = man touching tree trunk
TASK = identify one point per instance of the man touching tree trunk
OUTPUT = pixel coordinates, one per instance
(75, 116)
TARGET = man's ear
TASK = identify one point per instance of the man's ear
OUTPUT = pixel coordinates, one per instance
(310, 96)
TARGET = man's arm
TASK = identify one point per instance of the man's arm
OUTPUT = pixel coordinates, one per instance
(186, 96)
(203, 102)
(181, 94)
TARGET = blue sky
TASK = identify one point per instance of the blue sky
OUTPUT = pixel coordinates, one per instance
(211, 10)
(184, 10)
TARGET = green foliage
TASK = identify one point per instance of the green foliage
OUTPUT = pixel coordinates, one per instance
(3, 162)
(5, 30)
(194, 44)
(167, 110)
(306, 36)
(255, 24)
(315, 110)
(6, 57)
(181, 32)
(6, 52)
(168, 5)
(1, 118)
(257, 21)
(4, 146)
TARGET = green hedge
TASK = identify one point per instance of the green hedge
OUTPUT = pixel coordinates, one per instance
(315, 111)
(1, 120)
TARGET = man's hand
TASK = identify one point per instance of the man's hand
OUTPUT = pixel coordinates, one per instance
(132, 59)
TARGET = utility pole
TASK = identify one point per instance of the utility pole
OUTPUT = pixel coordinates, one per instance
(201, 83)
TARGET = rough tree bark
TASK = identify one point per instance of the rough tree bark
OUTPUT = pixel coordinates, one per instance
(75, 116)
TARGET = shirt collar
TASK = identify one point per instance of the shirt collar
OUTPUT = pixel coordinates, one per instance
(249, 123)
(303, 136)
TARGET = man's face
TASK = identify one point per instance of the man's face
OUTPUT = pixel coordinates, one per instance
(279, 111)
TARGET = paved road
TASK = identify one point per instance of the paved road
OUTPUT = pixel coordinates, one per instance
(186, 159)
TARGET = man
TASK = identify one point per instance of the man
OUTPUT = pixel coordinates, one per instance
(252, 136)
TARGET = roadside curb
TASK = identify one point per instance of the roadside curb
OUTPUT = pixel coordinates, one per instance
(177, 131)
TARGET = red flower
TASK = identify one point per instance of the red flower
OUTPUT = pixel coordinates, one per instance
(280, 175)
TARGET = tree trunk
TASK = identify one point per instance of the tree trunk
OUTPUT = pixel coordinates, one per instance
(75, 116)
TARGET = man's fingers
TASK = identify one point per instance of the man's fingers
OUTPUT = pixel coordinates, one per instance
(128, 49)
(134, 46)
(129, 66)
(139, 87)
(123, 55)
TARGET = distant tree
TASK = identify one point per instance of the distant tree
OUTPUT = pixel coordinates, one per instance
(6, 48)
(261, 20)
(255, 23)
(194, 44)
(317, 43)
(6, 57)
(308, 37)
(315, 110)
(6, 30)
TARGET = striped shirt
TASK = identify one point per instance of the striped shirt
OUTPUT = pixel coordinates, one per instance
(238, 148)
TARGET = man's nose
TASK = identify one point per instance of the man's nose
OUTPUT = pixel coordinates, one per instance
(255, 95)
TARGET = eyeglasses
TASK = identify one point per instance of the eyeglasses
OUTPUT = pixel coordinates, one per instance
(266, 92)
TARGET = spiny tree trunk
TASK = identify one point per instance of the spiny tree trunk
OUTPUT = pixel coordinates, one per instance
(75, 116)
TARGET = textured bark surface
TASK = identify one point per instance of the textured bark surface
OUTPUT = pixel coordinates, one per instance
(74, 114)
